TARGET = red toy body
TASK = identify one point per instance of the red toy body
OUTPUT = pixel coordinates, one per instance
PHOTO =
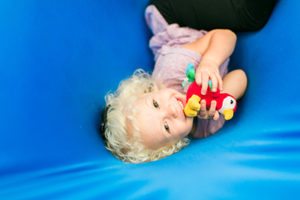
(226, 104)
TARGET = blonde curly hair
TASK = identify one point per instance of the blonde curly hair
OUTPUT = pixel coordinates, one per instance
(121, 130)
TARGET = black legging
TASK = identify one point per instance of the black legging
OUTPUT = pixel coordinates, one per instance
(237, 15)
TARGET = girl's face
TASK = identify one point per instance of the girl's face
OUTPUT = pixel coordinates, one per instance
(161, 119)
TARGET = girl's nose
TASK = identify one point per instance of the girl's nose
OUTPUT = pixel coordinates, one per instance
(172, 110)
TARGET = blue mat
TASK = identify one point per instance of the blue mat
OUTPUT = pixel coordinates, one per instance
(59, 58)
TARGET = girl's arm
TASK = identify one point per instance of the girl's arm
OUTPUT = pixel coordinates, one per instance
(214, 48)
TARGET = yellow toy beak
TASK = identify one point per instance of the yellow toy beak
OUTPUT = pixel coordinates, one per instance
(228, 114)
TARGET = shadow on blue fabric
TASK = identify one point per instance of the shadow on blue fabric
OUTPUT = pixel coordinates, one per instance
(59, 58)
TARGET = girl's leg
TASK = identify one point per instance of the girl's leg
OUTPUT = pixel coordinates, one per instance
(235, 83)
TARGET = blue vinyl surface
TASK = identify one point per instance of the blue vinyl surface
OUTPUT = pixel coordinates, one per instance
(58, 58)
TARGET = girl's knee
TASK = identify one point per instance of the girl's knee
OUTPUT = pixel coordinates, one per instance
(240, 74)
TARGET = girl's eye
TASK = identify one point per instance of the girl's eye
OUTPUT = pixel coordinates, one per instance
(155, 104)
(166, 126)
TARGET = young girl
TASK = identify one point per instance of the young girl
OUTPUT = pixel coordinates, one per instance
(144, 118)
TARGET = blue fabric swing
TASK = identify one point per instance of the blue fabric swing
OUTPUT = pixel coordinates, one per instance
(59, 58)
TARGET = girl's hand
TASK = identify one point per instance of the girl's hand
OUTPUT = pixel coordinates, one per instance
(214, 48)
(210, 113)
(208, 71)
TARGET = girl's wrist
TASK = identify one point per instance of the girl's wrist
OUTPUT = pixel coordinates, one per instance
(208, 62)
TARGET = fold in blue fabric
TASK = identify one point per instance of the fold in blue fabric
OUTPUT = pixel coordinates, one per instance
(59, 58)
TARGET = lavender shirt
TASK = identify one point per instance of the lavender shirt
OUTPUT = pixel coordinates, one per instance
(171, 59)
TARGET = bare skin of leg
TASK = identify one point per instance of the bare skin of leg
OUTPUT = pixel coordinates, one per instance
(235, 83)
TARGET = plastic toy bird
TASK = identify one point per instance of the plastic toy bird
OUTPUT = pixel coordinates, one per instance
(226, 103)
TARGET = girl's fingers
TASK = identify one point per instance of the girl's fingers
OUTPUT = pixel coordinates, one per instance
(204, 75)
(205, 78)
(212, 109)
(216, 116)
(220, 81)
(203, 111)
(198, 78)
(214, 81)
(208, 114)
